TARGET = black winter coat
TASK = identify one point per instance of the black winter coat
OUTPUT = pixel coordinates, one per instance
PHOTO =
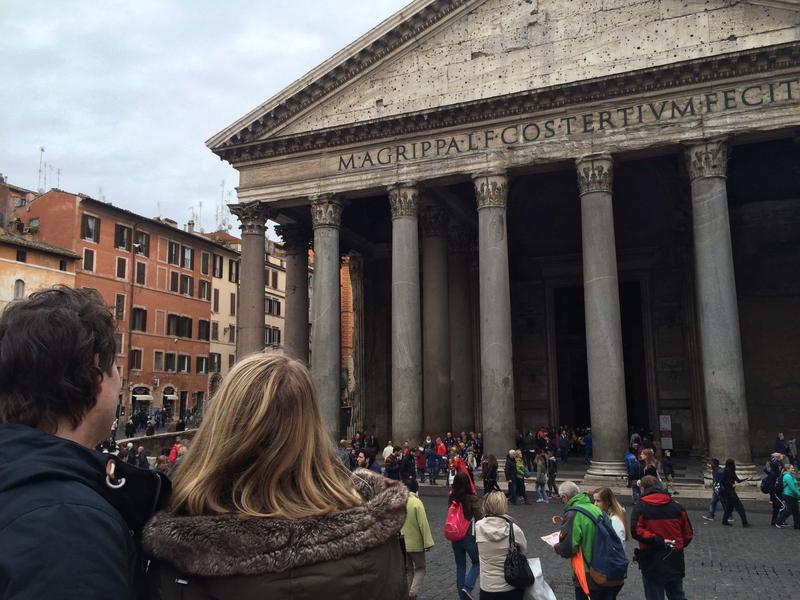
(64, 533)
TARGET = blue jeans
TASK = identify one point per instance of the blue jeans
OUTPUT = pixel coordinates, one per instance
(714, 501)
(461, 549)
(654, 590)
(542, 493)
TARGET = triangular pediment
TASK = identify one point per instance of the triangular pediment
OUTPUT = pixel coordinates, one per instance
(438, 53)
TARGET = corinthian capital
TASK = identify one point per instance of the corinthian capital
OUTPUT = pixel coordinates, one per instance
(595, 173)
(491, 190)
(434, 219)
(404, 200)
(295, 237)
(707, 159)
(252, 217)
(326, 211)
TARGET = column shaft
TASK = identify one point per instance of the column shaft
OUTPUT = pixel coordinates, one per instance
(607, 403)
(717, 307)
(406, 327)
(461, 387)
(325, 313)
(497, 372)
(295, 334)
(252, 275)
(436, 325)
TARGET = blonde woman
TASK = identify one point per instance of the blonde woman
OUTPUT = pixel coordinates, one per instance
(606, 500)
(492, 533)
(263, 508)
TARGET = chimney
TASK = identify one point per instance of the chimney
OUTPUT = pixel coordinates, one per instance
(190, 226)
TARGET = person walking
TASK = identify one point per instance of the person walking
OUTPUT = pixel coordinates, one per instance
(491, 534)
(519, 476)
(668, 469)
(421, 463)
(489, 473)
(663, 530)
(576, 538)
(541, 478)
(563, 446)
(470, 506)
(552, 473)
(772, 484)
(510, 471)
(634, 470)
(730, 499)
(256, 514)
(791, 496)
(716, 478)
(71, 517)
(417, 538)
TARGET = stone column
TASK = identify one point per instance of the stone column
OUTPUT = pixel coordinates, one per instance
(607, 404)
(406, 327)
(252, 275)
(357, 398)
(295, 331)
(326, 214)
(497, 369)
(717, 308)
(435, 321)
(461, 369)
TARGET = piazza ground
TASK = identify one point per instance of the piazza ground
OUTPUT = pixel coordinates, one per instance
(722, 562)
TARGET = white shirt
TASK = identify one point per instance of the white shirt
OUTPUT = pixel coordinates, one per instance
(619, 528)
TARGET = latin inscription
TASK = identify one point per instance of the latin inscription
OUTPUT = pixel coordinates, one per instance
(749, 97)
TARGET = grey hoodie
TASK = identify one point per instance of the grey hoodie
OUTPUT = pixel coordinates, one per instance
(491, 533)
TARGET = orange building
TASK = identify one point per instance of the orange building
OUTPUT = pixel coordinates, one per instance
(158, 280)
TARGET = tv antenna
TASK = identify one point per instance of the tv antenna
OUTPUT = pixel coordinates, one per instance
(39, 181)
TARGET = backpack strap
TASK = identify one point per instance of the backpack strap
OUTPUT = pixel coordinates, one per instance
(583, 511)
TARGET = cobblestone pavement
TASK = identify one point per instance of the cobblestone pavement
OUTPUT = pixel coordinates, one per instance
(721, 562)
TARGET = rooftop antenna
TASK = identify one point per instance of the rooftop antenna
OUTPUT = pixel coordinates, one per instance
(44, 176)
(58, 178)
(39, 181)
(158, 208)
(199, 220)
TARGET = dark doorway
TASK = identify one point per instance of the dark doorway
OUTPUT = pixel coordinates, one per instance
(573, 374)
(633, 355)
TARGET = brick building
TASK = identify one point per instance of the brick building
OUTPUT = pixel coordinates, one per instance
(27, 266)
(159, 281)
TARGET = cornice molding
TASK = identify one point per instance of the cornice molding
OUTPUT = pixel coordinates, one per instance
(708, 158)
(252, 217)
(374, 52)
(663, 78)
(595, 173)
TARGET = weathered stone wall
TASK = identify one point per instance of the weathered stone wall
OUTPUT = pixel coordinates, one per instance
(507, 46)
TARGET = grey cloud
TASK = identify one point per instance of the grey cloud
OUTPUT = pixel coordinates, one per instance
(123, 94)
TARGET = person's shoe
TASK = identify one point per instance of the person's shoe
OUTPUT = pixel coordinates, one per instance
(745, 524)
(708, 518)
(467, 593)
(675, 494)
(726, 524)
(781, 526)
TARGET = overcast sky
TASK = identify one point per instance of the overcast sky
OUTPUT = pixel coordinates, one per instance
(123, 94)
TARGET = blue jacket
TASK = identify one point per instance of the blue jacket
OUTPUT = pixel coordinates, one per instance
(65, 534)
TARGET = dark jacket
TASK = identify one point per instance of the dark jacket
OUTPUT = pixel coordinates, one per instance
(728, 481)
(63, 532)
(657, 517)
(355, 553)
(391, 467)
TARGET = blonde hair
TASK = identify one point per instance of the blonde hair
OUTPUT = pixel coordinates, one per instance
(262, 449)
(495, 504)
(649, 458)
(613, 507)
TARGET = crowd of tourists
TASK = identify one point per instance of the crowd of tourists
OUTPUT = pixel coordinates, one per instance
(247, 511)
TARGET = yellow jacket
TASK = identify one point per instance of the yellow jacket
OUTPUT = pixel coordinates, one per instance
(416, 531)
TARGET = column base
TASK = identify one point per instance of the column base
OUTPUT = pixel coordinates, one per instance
(601, 470)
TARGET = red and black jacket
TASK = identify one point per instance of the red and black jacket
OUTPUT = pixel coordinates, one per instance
(657, 517)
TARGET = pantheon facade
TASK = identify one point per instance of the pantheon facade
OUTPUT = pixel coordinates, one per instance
(555, 212)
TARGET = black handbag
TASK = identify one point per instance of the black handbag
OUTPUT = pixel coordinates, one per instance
(516, 570)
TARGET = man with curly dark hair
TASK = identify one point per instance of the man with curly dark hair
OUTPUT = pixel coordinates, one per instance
(70, 517)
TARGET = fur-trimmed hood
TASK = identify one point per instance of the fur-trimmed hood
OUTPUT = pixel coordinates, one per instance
(226, 545)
